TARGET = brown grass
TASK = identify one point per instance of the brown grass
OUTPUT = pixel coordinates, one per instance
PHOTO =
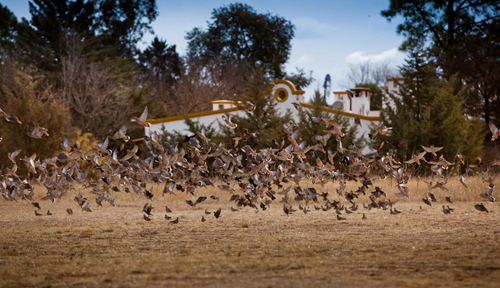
(115, 247)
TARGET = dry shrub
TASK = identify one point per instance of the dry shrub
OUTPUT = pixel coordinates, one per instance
(100, 95)
(25, 97)
(85, 142)
(97, 102)
(201, 84)
(491, 152)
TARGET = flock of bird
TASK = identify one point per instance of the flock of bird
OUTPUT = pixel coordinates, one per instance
(255, 179)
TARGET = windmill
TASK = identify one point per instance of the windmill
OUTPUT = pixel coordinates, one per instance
(327, 85)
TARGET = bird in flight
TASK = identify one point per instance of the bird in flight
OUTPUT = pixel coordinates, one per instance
(142, 120)
(494, 131)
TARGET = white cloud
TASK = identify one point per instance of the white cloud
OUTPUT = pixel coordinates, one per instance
(393, 56)
(304, 59)
(312, 28)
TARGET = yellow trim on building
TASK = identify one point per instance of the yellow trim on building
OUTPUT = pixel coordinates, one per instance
(331, 110)
(385, 87)
(271, 87)
(223, 111)
(193, 115)
(223, 102)
(277, 94)
(289, 84)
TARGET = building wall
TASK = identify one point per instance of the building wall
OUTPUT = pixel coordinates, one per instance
(180, 125)
(361, 104)
(392, 88)
(357, 105)
(285, 94)
(343, 98)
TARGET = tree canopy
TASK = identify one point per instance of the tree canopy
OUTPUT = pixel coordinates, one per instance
(461, 37)
(237, 32)
(109, 27)
(8, 26)
(428, 111)
(161, 67)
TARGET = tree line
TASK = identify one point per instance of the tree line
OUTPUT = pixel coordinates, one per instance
(79, 62)
(78, 65)
(452, 76)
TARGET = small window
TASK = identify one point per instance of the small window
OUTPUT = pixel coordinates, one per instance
(282, 95)
(395, 84)
(221, 106)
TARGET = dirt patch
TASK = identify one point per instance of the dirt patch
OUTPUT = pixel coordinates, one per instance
(116, 247)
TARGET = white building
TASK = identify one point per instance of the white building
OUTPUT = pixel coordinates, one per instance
(358, 102)
(392, 87)
(284, 93)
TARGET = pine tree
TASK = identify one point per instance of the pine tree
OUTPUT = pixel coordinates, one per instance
(8, 26)
(450, 127)
(432, 115)
(263, 125)
(310, 125)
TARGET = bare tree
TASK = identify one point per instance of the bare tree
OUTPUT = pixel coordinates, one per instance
(369, 73)
(201, 84)
(98, 101)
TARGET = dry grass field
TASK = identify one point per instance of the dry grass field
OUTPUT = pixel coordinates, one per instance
(116, 247)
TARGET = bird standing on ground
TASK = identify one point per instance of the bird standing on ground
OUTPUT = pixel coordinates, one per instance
(446, 211)
(481, 207)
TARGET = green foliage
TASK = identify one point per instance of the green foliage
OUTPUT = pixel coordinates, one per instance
(8, 26)
(410, 122)
(429, 111)
(260, 127)
(124, 22)
(43, 39)
(106, 28)
(446, 25)
(300, 78)
(309, 127)
(449, 126)
(376, 95)
(161, 64)
(440, 122)
(161, 68)
(238, 32)
(24, 97)
(463, 39)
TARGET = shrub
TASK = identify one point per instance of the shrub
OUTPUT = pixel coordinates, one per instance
(28, 99)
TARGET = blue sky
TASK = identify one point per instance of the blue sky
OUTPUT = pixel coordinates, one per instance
(329, 34)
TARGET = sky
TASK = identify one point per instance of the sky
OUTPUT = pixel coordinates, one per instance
(329, 35)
